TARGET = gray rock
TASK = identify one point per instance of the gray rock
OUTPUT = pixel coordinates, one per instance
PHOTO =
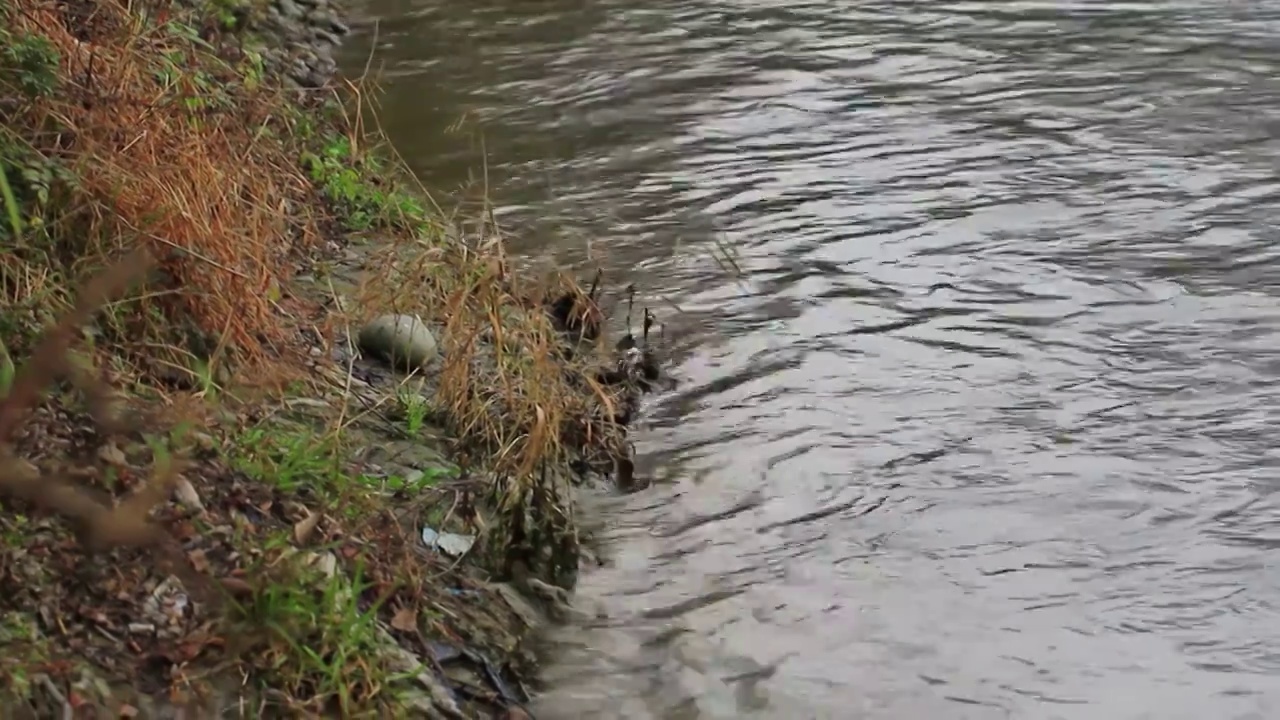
(401, 340)
(289, 8)
(326, 37)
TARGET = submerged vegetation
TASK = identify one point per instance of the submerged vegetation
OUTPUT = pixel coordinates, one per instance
(258, 490)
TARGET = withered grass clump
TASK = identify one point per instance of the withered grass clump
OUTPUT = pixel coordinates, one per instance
(516, 386)
(510, 378)
(147, 137)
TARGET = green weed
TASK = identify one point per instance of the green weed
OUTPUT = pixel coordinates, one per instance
(415, 409)
(417, 481)
(319, 639)
(289, 460)
(24, 652)
(351, 182)
(28, 62)
(230, 15)
(7, 371)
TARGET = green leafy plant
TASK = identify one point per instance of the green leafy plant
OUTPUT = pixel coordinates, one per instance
(415, 410)
(347, 180)
(29, 63)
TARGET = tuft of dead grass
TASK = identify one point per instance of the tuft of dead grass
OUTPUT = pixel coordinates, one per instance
(159, 142)
(519, 384)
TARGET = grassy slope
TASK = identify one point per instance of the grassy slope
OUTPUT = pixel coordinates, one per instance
(125, 127)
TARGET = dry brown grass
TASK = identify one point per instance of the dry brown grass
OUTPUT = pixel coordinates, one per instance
(169, 150)
(512, 379)
(515, 385)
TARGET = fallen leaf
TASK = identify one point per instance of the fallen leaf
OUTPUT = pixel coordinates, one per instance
(128, 711)
(237, 587)
(303, 528)
(405, 620)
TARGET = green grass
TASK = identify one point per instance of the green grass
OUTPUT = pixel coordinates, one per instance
(290, 460)
(355, 185)
(429, 478)
(316, 640)
(25, 652)
(305, 459)
(413, 409)
(7, 371)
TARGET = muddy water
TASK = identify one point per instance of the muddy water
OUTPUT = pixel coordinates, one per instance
(988, 427)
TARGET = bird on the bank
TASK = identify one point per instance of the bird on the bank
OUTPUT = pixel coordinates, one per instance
(578, 315)
(628, 341)
(648, 364)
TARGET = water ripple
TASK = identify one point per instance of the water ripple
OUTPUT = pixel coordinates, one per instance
(987, 428)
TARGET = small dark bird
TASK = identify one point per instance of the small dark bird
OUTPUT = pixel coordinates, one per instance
(628, 341)
(648, 365)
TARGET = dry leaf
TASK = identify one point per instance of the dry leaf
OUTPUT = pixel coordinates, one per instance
(405, 620)
(128, 711)
(237, 587)
(303, 528)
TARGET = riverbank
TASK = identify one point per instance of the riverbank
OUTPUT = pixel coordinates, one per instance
(334, 534)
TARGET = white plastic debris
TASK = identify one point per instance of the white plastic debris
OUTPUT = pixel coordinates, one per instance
(451, 544)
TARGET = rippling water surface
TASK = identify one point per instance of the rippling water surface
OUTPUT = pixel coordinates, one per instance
(988, 426)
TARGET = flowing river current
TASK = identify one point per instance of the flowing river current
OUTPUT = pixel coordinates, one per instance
(988, 423)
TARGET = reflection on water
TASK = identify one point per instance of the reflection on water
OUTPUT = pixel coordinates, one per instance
(989, 428)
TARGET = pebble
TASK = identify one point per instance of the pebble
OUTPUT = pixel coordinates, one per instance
(306, 31)
(187, 495)
(289, 9)
(326, 37)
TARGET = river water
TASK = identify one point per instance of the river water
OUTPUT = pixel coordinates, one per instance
(986, 427)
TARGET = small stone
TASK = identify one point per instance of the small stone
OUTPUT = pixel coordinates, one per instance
(400, 340)
(326, 564)
(204, 441)
(186, 494)
(289, 8)
(112, 455)
(324, 36)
